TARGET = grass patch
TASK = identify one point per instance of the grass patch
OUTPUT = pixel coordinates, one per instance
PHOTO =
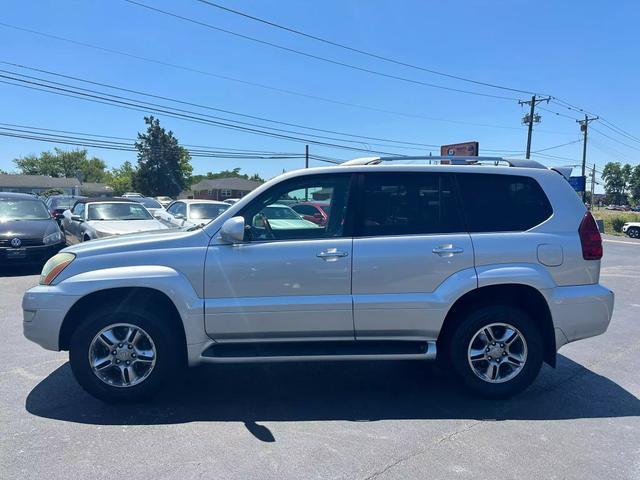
(612, 217)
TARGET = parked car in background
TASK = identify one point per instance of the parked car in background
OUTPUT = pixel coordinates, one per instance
(151, 204)
(632, 229)
(57, 204)
(164, 201)
(28, 233)
(132, 195)
(92, 218)
(187, 213)
(316, 212)
(281, 217)
(231, 201)
(488, 269)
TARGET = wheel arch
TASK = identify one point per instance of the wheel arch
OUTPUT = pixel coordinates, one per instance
(148, 298)
(518, 295)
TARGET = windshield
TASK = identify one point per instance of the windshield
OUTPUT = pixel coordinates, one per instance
(280, 212)
(149, 203)
(206, 210)
(118, 211)
(23, 210)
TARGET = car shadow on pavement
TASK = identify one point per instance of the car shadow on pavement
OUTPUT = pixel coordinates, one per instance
(348, 391)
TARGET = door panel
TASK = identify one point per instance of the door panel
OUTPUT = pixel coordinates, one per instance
(395, 283)
(279, 290)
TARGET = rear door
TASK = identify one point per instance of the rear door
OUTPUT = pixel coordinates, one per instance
(410, 239)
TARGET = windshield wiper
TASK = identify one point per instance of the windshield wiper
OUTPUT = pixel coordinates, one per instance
(196, 227)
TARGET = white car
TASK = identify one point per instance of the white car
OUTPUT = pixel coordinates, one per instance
(632, 229)
(92, 218)
(188, 213)
(487, 269)
(231, 201)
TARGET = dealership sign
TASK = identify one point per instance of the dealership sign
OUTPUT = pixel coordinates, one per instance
(467, 149)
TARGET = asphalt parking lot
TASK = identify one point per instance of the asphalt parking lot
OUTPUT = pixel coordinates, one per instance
(359, 420)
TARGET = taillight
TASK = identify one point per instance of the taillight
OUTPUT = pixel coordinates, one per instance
(590, 238)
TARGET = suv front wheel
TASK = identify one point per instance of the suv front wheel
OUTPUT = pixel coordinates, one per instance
(123, 354)
(497, 351)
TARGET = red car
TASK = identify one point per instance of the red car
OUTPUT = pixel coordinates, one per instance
(316, 212)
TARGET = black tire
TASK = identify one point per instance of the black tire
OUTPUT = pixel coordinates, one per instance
(633, 232)
(167, 358)
(471, 323)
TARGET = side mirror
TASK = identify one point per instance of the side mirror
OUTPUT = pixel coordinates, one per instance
(179, 216)
(232, 230)
(76, 218)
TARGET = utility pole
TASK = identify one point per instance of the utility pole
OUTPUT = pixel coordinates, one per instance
(306, 156)
(584, 128)
(531, 118)
(593, 183)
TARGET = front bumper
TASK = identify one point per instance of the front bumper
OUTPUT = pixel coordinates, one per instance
(580, 311)
(44, 309)
(30, 254)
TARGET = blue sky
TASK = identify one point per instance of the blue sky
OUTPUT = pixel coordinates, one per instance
(582, 52)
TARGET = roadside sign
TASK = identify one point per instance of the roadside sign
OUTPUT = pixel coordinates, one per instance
(578, 183)
(466, 149)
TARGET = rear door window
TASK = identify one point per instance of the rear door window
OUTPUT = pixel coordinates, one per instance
(502, 203)
(408, 204)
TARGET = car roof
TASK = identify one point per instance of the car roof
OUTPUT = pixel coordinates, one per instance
(106, 200)
(203, 200)
(17, 196)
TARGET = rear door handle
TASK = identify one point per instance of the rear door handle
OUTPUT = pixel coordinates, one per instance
(331, 254)
(447, 250)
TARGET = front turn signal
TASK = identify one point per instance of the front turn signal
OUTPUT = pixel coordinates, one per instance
(54, 266)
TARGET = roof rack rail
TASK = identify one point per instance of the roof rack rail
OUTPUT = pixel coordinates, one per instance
(521, 163)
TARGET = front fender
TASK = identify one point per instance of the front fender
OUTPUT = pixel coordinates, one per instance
(161, 278)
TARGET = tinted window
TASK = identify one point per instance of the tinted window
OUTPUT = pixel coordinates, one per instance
(502, 203)
(271, 218)
(409, 203)
(305, 209)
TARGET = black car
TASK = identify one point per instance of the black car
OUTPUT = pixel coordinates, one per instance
(28, 233)
(57, 204)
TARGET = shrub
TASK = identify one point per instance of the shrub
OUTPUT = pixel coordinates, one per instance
(617, 223)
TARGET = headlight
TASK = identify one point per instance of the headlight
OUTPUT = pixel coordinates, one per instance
(54, 237)
(54, 266)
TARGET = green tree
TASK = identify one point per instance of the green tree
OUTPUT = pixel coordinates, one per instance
(634, 184)
(235, 173)
(62, 163)
(120, 179)
(164, 167)
(614, 182)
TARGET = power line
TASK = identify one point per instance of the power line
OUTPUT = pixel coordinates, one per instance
(261, 85)
(208, 107)
(615, 140)
(362, 52)
(316, 57)
(146, 107)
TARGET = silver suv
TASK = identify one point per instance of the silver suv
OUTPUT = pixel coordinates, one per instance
(488, 269)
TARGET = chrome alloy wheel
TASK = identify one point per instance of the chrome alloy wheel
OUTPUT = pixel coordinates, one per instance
(497, 352)
(122, 355)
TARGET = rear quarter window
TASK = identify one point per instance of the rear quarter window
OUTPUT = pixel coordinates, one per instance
(502, 203)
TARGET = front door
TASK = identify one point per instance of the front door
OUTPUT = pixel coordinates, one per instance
(410, 245)
(290, 278)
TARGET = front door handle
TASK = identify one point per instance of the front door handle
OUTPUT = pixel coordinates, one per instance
(447, 250)
(331, 254)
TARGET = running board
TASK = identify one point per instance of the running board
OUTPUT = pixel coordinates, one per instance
(319, 350)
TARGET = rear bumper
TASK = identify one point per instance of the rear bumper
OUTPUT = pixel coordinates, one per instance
(580, 312)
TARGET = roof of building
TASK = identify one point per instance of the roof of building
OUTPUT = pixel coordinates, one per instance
(36, 181)
(229, 183)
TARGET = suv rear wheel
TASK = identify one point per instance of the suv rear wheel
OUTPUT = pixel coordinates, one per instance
(123, 355)
(497, 351)
(633, 232)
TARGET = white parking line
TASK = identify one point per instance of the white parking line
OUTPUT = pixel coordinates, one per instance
(620, 241)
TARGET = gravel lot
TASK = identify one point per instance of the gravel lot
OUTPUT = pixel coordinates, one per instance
(331, 420)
